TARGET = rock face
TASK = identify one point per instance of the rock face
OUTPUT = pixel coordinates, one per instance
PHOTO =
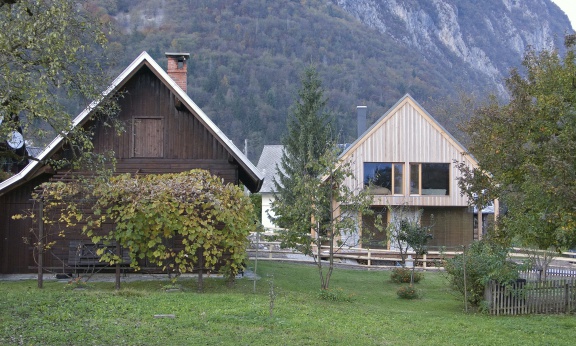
(488, 36)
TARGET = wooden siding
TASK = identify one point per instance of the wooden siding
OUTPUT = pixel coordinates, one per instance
(184, 135)
(15, 236)
(408, 135)
(148, 137)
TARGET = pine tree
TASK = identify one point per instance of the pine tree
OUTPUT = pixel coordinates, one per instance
(307, 139)
(312, 203)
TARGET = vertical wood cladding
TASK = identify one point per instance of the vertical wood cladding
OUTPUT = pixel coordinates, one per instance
(183, 135)
(160, 137)
(16, 236)
(148, 137)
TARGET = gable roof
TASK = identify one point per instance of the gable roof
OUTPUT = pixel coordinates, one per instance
(268, 163)
(390, 113)
(249, 175)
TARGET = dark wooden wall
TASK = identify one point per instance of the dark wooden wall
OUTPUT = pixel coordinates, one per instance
(183, 142)
(160, 137)
(16, 236)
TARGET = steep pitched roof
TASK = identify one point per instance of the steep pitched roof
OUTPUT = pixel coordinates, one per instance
(384, 118)
(269, 160)
(249, 175)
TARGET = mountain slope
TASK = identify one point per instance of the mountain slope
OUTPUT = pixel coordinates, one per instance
(247, 55)
(487, 36)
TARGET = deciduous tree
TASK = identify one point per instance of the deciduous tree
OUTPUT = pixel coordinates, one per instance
(52, 64)
(526, 150)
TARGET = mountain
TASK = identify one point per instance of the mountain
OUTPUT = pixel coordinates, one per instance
(247, 55)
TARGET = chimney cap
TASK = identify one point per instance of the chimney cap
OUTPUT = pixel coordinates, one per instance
(177, 55)
(361, 106)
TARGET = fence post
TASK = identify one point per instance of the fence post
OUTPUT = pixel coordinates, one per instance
(424, 261)
(369, 258)
(566, 297)
(488, 296)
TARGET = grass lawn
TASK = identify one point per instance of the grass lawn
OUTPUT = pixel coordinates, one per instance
(237, 316)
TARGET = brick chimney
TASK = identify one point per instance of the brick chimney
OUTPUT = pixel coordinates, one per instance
(177, 68)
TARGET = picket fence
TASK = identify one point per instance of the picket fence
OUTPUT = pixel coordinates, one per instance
(548, 274)
(524, 297)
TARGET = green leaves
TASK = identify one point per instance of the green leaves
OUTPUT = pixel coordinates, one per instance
(526, 151)
(150, 212)
(51, 58)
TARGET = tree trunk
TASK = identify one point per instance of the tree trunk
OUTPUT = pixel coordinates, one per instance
(41, 245)
(200, 272)
(119, 254)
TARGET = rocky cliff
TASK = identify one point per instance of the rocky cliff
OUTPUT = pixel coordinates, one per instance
(488, 36)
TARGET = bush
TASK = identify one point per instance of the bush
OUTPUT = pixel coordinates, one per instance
(484, 261)
(402, 275)
(408, 292)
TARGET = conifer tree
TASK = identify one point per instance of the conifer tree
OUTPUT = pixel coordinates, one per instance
(312, 203)
(307, 139)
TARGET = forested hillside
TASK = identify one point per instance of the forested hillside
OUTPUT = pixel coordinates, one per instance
(247, 55)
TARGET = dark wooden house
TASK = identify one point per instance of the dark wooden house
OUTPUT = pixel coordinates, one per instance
(165, 132)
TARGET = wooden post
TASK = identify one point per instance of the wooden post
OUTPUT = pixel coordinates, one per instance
(40, 244)
(566, 298)
(369, 258)
(256, 259)
(464, 272)
(200, 273)
(479, 222)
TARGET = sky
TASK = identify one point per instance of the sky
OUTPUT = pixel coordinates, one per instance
(569, 7)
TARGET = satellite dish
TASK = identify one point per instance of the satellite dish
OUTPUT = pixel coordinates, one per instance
(15, 140)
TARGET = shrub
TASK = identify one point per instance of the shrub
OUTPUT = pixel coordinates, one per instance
(402, 275)
(484, 261)
(408, 292)
(336, 295)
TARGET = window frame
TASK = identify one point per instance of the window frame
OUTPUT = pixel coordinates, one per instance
(411, 165)
(393, 185)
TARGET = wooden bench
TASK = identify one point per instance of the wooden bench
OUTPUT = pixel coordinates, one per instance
(84, 254)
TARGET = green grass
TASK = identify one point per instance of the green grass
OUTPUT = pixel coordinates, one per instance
(237, 316)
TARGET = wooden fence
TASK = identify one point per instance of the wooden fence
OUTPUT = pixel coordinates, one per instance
(548, 274)
(544, 297)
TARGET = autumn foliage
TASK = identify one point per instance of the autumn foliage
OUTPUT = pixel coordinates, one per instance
(179, 222)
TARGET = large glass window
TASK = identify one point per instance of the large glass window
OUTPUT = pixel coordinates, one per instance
(430, 179)
(384, 178)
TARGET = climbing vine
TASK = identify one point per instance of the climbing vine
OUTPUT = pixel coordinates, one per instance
(180, 222)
